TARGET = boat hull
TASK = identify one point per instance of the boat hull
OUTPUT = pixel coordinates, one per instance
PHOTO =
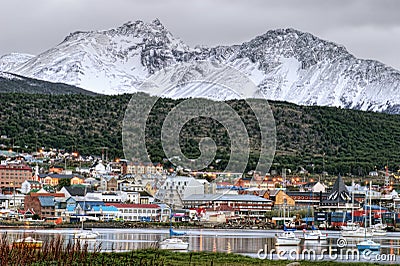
(86, 235)
(287, 242)
(173, 244)
(368, 245)
(359, 233)
(28, 243)
(315, 237)
(287, 238)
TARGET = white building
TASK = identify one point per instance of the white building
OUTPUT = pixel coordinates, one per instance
(141, 212)
(132, 197)
(175, 188)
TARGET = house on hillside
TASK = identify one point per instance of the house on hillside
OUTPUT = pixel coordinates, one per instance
(279, 198)
(75, 190)
(315, 187)
(29, 185)
(53, 179)
(108, 183)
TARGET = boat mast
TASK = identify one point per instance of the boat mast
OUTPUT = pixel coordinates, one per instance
(370, 202)
(352, 206)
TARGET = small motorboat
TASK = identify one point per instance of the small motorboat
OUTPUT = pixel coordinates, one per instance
(27, 242)
(368, 244)
(360, 233)
(86, 235)
(314, 235)
(350, 226)
(379, 232)
(173, 244)
(287, 238)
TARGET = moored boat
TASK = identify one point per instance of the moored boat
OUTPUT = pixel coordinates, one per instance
(86, 235)
(379, 232)
(360, 232)
(368, 244)
(173, 244)
(27, 242)
(314, 235)
(350, 226)
(287, 238)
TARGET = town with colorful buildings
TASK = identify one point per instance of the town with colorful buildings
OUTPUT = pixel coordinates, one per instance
(60, 187)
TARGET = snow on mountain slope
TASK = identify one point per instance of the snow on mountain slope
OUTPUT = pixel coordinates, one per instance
(109, 62)
(286, 64)
(11, 61)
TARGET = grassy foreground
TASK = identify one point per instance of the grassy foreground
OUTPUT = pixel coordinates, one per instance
(161, 257)
(55, 252)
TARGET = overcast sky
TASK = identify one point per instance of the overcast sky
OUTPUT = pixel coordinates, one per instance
(367, 28)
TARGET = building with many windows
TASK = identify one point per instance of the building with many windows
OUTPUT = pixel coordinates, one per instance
(142, 212)
(13, 175)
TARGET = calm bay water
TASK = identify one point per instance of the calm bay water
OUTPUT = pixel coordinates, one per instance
(247, 242)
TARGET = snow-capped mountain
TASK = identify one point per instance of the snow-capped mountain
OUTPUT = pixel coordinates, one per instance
(11, 61)
(286, 64)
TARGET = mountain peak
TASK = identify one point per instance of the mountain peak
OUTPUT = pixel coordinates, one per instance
(286, 65)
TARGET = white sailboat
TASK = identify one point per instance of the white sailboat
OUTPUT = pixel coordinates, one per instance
(287, 237)
(379, 229)
(314, 235)
(85, 234)
(360, 233)
(350, 225)
(368, 244)
(173, 243)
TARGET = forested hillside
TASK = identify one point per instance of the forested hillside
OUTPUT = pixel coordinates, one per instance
(315, 138)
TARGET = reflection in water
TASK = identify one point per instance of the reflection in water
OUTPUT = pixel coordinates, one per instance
(236, 241)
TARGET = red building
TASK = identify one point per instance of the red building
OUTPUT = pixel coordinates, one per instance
(43, 204)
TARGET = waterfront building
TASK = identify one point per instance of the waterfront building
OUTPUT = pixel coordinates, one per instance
(142, 212)
(339, 198)
(175, 188)
(248, 206)
(42, 203)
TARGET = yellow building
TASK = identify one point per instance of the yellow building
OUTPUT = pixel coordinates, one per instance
(53, 179)
(280, 198)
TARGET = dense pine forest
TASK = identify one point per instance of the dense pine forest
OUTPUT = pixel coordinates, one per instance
(315, 138)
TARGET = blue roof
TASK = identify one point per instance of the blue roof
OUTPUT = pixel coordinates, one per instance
(104, 208)
(70, 208)
(46, 201)
(90, 204)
